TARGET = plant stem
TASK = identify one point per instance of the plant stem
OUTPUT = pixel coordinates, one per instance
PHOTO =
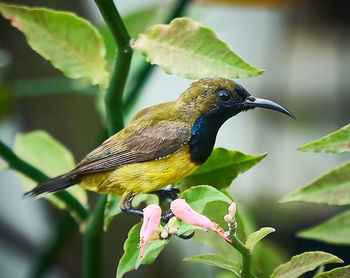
(93, 235)
(35, 174)
(113, 97)
(92, 242)
(145, 71)
(246, 256)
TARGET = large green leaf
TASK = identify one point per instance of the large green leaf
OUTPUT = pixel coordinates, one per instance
(216, 260)
(255, 237)
(45, 153)
(131, 255)
(336, 142)
(186, 48)
(340, 272)
(333, 188)
(303, 263)
(335, 230)
(70, 43)
(221, 168)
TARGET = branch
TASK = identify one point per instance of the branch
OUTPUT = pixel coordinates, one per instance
(35, 174)
(93, 235)
(246, 257)
(246, 272)
(113, 97)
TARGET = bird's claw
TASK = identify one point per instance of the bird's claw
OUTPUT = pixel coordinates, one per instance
(166, 216)
(186, 236)
(164, 194)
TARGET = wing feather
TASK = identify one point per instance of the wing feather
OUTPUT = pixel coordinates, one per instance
(135, 144)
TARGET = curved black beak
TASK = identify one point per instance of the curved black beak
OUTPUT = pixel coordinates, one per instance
(252, 102)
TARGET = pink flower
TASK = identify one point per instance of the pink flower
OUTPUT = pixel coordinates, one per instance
(151, 220)
(182, 210)
(232, 209)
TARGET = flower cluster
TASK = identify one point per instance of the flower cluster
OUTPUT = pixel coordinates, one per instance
(151, 228)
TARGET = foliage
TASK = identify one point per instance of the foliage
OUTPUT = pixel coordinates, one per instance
(333, 188)
(186, 48)
(300, 264)
(182, 48)
(49, 156)
(58, 37)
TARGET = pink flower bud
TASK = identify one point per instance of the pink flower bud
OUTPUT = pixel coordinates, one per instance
(173, 230)
(151, 220)
(228, 218)
(182, 210)
(164, 234)
(232, 209)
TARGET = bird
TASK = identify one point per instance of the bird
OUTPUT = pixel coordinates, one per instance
(162, 143)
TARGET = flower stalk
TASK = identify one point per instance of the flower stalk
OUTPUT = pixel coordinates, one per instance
(246, 271)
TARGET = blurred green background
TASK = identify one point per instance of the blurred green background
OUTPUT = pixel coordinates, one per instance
(304, 49)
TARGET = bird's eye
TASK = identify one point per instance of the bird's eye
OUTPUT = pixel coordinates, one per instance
(224, 96)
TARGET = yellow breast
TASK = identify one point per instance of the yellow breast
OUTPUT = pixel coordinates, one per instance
(142, 177)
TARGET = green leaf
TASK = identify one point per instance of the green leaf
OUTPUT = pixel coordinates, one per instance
(336, 230)
(216, 260)
(257, 236)
(131, 255)
(221, 168)
(113, 207)
(333, 188)
(303, 263)
(340, 272)
(70, 43)
(186, 48)
(336, 142)
(51, 157)
(198, 196)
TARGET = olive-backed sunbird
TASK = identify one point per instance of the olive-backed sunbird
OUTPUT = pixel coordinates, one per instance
(162, 143)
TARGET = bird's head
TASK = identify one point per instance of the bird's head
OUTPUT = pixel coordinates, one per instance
(224, 98)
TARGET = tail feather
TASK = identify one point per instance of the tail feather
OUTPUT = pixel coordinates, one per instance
(52, 185)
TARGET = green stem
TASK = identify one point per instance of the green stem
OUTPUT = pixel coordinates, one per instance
(35, 174)
(145, 71)
(246, 257)
(113, 97)
(92, 242)
(93, 235)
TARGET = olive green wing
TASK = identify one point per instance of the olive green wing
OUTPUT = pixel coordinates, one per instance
(135, 144)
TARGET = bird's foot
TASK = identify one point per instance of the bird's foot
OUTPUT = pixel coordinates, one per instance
(166, 216)
(186, 236)
(131, 210)
(164, 194)
(126, 207)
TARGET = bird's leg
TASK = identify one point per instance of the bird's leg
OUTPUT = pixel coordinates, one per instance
(166, 216)
(164, 194)
(126, 206)
(170, 193)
